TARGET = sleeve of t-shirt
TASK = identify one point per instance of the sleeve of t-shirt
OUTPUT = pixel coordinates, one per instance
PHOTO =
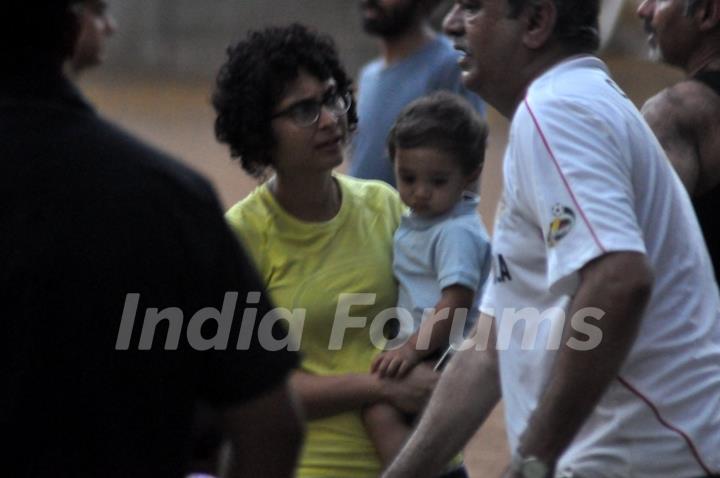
(460, 255)
(251, 239)
(577, 185)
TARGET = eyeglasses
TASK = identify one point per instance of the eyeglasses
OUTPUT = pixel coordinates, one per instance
(306, 113)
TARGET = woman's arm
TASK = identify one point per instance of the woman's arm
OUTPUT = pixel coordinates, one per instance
(324, 396)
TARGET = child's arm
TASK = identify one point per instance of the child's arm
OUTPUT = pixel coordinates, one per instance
(387, 428)
(396, 363)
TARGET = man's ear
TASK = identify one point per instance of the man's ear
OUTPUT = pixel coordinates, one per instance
(540, 18)
(707, 14)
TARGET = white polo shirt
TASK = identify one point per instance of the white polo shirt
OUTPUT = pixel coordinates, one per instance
(585, 176)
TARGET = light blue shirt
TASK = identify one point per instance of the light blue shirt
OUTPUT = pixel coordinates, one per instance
(433, 254)
(384, 90)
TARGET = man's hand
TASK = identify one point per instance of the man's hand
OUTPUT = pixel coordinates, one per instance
(468, 390)
(619, 284)
(396, 363)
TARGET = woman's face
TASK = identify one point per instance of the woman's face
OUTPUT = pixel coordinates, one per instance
(301, 147)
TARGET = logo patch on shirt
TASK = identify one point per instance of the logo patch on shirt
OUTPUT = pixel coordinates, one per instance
(563, 220)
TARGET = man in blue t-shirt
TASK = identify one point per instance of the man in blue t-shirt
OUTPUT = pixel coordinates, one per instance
(414, 61)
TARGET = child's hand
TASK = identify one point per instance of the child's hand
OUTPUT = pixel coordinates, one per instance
(395, 363)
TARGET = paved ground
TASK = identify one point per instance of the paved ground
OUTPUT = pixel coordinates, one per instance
(178, 118)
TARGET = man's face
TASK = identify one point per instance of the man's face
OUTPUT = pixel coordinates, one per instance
(96, 26)
(388, 18)
(670, 30)
(488, 39)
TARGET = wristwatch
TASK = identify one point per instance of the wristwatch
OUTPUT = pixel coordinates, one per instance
(530, 467)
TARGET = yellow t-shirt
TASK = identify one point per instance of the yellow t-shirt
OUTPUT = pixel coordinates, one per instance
(308, 265)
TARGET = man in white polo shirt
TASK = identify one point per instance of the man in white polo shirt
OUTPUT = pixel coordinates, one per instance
(604, 335)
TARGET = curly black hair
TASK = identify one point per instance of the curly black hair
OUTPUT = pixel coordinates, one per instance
(253, 79)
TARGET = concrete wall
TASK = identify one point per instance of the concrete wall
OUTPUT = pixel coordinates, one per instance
(189, 37)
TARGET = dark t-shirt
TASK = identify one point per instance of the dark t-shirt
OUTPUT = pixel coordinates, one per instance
(707, 206)
(87, 215)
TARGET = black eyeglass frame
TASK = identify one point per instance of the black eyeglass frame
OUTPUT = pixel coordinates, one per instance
(330, 101)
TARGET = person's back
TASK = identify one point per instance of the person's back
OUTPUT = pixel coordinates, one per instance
(98, 229)
(90, 215)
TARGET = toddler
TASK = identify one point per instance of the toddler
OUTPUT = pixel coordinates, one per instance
(441, 249)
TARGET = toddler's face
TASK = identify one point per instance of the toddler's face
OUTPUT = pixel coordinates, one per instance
(430, 181)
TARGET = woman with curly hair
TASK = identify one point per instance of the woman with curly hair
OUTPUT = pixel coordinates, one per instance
(319, 239)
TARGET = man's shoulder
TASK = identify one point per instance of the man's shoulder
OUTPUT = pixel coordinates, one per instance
(575, 94)
(440, 57)
(130, 156)
(94, 153)
(688, 103)
(583, 78)
(370, 70)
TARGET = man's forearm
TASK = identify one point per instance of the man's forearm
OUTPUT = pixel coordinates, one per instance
(265, 436)
(578, 379)
(467, 392)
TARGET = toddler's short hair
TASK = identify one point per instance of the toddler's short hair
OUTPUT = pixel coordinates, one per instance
(443, 121)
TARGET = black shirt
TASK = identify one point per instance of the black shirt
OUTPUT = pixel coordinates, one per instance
(707, 206)
(88, 215)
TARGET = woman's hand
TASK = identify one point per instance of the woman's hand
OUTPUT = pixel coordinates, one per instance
(410, 394)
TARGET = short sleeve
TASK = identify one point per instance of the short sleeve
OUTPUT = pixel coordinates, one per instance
(460, 256)
(578, 186)
(251, 238)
